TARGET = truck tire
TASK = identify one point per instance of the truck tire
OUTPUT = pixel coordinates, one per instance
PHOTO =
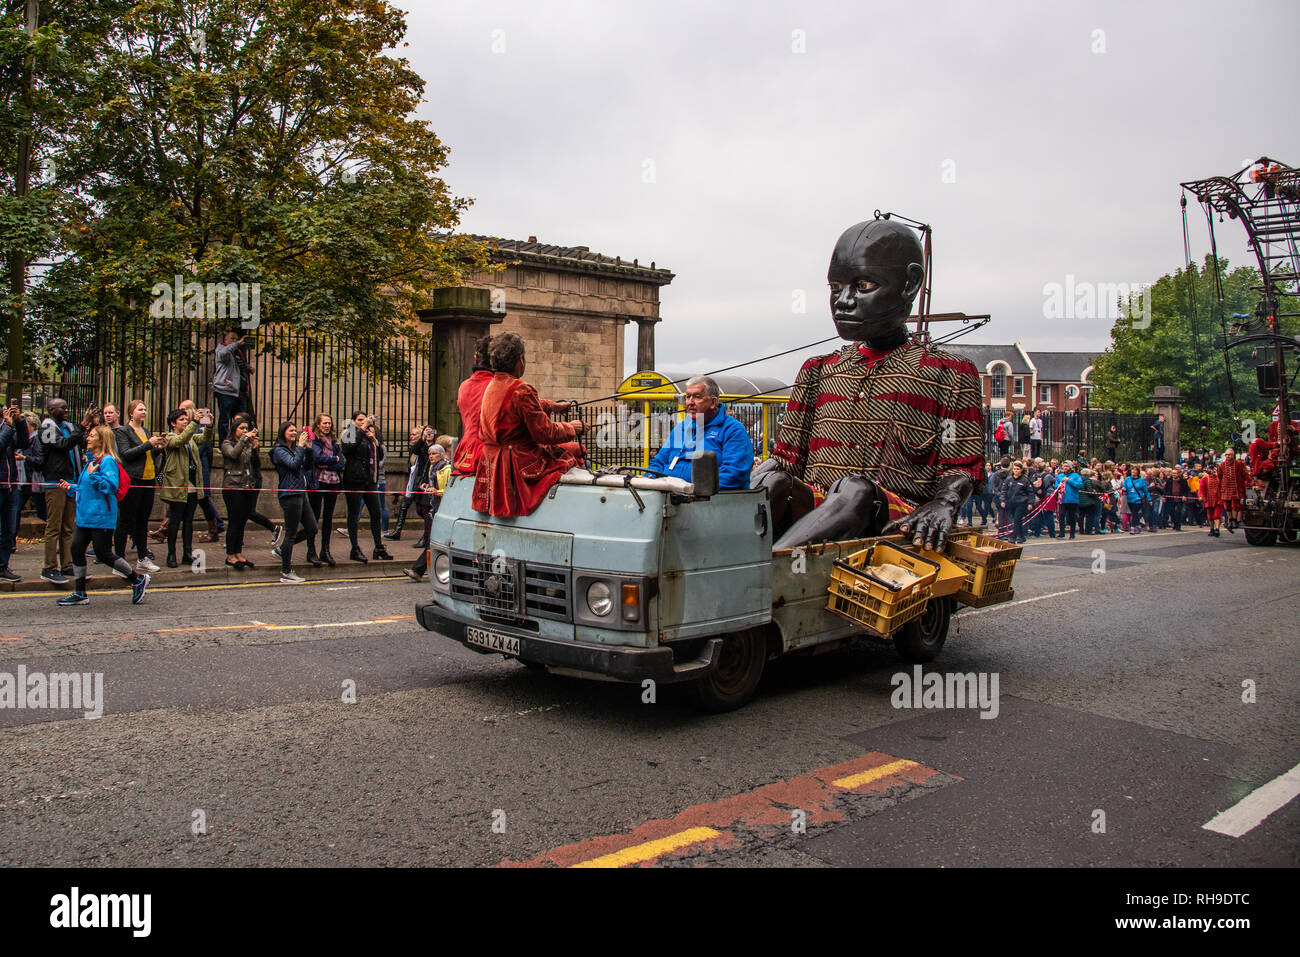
(735, 676)
(1261, 537)
(921, 639)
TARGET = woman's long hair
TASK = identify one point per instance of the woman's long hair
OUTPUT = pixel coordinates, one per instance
(106, 444)
(315, 425)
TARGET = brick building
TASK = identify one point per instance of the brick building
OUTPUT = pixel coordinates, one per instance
(1016, 379)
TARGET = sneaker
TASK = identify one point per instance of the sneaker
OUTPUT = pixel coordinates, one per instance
(76, 598)
(138, 589)
(146, 565)
(54, 576)
(276, 536)
(289, 578)
(7, 575)
(276, 552)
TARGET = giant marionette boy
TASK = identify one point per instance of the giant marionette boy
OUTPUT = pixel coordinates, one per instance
(886, 434)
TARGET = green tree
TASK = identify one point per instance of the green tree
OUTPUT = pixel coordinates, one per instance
(270, 142)
(1180, 348)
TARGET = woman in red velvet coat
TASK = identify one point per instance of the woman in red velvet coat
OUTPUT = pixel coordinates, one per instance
(524, 453)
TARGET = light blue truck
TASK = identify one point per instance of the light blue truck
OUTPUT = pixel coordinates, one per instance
(635, 578)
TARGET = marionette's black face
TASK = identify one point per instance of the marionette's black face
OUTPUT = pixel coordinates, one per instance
(874, 275)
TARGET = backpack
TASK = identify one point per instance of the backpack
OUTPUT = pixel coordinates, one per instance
(1001, 434)
(123, 482)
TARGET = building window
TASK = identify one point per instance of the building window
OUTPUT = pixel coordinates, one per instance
(1046, 393)
(1072, 392)
(998, 387)
(1019, 386)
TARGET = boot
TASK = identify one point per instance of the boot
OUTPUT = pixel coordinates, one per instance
(381, 555)
(325, 555)
(312, 558)
(213, 534)
(422, 543)
(395, 533)
(160, 533)
(357, 556)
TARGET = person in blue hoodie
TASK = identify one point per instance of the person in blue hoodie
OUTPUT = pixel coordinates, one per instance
(96, 496)
(1073, 483)
(722, 435)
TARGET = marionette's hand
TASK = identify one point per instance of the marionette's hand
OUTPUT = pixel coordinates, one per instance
(930, 523)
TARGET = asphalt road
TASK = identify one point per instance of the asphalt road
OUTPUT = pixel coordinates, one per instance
(227, 736)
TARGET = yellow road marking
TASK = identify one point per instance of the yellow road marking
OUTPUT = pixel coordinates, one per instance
(639, 853)
(873, 774)
(264, 626)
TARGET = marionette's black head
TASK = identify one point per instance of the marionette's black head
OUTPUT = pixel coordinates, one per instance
(875, 273)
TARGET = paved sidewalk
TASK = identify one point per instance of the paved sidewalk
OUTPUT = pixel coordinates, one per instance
(29, 557)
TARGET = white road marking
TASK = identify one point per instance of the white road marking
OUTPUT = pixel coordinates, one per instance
(343, 588)
(1023, 601)
(1250, 811)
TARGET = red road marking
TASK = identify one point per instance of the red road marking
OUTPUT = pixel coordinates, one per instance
(765, 810)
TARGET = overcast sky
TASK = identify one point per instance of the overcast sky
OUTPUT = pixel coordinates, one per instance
(697, 136)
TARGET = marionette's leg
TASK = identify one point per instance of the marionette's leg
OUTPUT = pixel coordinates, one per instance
(788, 498)
(854, 508)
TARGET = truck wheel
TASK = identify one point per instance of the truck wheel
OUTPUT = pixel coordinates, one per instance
(736, 674)
(921, 639)
(1261, 537)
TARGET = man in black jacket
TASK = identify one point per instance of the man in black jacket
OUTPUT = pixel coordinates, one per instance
(61, 447)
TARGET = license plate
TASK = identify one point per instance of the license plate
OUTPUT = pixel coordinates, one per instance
(492, 641)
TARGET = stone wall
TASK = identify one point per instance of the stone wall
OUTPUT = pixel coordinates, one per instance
(574, 325)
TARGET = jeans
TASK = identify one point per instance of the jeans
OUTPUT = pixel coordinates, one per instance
(239, 506)
(11, 498)
(357, 496)
(323, 503)
(133, 518)
(296, 510)
(382, 487)
(967, 510)
(1017, 512)
(209, 510)
(181, 515)
(227, 407)
(60, 524)
(1069, 516)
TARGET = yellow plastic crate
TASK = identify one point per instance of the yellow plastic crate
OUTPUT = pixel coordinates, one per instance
(990, 572)
(882, 608)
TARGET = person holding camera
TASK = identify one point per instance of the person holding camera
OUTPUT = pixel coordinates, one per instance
(13, 439)
(239, 486)
(292, 457)
(61, 455)
(226, 378)
(138, 453)
(363, 459)
(183, 486)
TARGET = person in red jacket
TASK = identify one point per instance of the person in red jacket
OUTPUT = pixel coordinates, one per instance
(524, 453)
(1232, 487)
(1209, 494)
(469, 400)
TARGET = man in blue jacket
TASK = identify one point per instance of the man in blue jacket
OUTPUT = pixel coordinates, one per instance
(722, 435)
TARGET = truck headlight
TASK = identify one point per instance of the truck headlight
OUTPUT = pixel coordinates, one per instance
(442, 568)
(600, 599)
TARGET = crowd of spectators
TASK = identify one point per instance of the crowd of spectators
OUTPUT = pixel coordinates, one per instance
(1086, 496)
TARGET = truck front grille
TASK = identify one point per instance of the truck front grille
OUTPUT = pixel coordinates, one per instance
(508, 588)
